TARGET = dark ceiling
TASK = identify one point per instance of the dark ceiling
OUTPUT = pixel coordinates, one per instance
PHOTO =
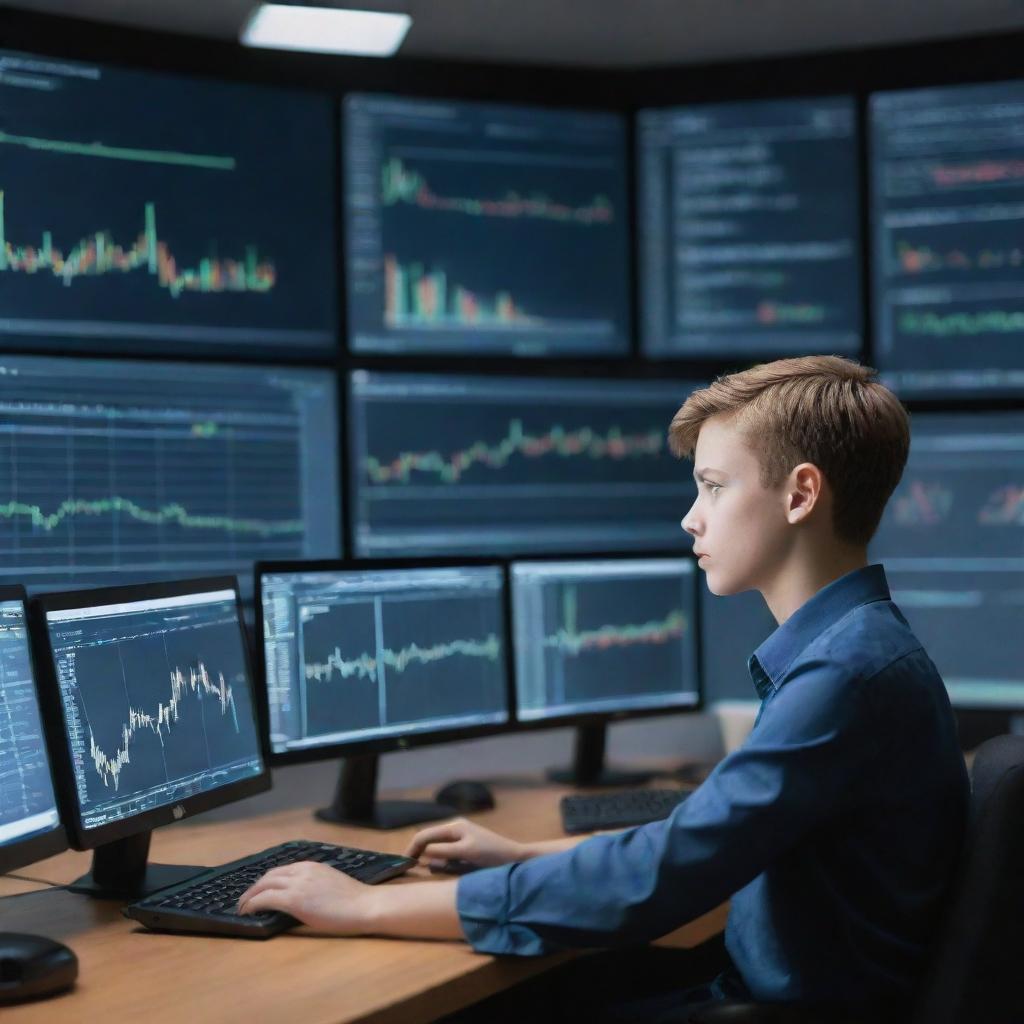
(602, 33)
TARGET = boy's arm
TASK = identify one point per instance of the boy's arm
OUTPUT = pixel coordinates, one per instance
(797, 770)
(330, 901)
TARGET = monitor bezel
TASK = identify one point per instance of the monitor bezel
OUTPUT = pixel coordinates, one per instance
(80, 837)
(20, 852)
(382, 744)
(591, 718)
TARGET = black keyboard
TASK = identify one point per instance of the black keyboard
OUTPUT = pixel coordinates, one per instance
(207, 902)
(592, 811)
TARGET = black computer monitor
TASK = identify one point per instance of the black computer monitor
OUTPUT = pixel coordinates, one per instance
(30, 827)
(119, 471)
(451, 465)
(947, 213)
(360, 658)
(952, 543)
(165, 213)
(152, 716)
(749, 228)
(485, 229)
(602, 639)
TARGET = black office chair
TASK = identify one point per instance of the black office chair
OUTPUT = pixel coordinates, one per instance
(972, 973)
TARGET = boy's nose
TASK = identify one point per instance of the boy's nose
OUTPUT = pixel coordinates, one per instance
(689, 523)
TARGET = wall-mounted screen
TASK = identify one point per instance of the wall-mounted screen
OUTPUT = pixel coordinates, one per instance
(476, 228)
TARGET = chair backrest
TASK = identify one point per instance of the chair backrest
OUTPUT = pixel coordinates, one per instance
(975, 973)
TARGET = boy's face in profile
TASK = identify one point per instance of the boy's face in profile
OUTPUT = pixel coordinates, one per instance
(739, 527)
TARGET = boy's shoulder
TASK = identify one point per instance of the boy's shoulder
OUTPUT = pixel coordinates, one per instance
(873, 643)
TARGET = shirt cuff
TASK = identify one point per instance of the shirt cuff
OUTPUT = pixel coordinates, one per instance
(482, 900)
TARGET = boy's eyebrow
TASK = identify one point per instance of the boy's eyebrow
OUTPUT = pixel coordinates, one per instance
(698, 474)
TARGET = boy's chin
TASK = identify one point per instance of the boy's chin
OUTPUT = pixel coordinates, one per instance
(722, 586)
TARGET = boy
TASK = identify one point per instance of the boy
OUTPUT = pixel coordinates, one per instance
(835, 828)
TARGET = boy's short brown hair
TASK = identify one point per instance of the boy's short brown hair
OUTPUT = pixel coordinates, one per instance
(821, 409)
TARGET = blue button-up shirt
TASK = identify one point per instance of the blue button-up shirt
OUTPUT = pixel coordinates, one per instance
(835, 828)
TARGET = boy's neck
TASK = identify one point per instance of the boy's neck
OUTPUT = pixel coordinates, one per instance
(802, 578)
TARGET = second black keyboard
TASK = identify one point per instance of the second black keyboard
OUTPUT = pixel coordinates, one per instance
(588, 812)
(207, 903)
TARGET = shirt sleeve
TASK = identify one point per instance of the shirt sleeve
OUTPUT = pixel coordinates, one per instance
(797, 770)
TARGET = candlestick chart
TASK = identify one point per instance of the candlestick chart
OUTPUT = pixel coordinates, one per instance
(144, 208)
(510, 237)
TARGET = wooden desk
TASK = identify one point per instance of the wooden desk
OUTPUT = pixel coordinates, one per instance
(127, 973)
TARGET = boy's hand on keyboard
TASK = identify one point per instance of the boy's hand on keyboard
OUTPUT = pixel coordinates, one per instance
(315, 894)
(462, 840)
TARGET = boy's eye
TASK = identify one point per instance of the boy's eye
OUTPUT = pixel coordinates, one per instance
(712, 487)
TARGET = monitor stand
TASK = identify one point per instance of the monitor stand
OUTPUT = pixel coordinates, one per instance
(355, 800)
(120, 870)
(588, 763)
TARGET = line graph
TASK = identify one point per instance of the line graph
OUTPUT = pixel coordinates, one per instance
(365, 666)
(413, 653)
(401, 184)
(100, 255)
(108, 767)
(99, 149)
(463, 465)
(107, 475)
(961, 323)
(977, 173)
(172, 513)
(156, 700)
(585, 443)
(569, 639)
(594, 635)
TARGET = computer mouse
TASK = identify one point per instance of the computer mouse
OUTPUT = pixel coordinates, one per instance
(32, 967)
(465, 796)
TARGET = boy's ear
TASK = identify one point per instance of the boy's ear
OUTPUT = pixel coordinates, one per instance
(805, 484)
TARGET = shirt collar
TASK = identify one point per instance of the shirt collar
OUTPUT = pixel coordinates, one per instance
(769, 663)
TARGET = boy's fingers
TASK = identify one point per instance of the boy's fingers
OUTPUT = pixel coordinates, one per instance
(444, 851)
(436, 834)
(269, 899)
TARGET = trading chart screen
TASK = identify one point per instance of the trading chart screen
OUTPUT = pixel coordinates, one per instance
(157, 701)
(360, 655)
(116, 472)
(172, 211)
(477, 228)
(749, 228)
(27, 803)
(604, 636)
(478, 465)
(948, 210)
(952, 542)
